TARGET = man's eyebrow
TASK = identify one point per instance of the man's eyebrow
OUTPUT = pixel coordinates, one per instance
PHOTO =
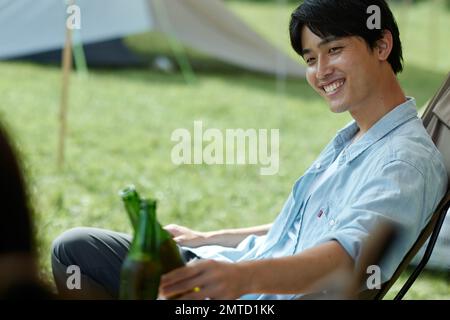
(324, 41)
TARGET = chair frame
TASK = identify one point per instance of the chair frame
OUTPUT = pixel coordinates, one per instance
(433, 228)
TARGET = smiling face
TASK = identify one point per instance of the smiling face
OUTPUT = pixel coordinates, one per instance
(342, 70)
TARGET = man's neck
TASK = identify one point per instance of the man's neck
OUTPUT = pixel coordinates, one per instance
(390, 95)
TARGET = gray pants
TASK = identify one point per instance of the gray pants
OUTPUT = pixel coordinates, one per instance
(98, 254)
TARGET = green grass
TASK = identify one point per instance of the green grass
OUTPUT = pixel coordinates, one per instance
(120, 123)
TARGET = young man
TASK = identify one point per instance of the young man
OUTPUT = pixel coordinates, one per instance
(382, 165)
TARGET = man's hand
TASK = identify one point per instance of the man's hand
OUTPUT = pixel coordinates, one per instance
(186, 237)
(226, 237)
(205, 279)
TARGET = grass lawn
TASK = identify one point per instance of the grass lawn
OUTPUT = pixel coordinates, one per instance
(120, 124)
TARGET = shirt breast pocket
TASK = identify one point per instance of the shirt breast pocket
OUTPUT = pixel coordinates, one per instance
(330, 215)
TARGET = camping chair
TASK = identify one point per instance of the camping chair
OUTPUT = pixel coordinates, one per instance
(436, 120)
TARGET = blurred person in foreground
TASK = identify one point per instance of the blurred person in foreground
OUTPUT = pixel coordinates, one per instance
(18, 257)
(381, 166)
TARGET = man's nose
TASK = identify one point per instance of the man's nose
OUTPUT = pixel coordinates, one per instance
(324, 68)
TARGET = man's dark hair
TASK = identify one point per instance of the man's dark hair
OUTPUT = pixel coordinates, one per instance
(341, 18)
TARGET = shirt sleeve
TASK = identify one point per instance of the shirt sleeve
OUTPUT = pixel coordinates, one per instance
(396, 193)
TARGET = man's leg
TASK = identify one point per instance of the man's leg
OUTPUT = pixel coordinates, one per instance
(99, 254)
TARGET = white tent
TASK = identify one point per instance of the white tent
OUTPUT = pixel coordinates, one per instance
(30, 26)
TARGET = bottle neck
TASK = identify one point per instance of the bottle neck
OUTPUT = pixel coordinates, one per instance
(132, 203)
(147, 236)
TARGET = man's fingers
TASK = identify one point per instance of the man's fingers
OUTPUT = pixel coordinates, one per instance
(205, 292)
(173, 230)
(191, 286)
(181, 274)
(178, 239)
(186, 280)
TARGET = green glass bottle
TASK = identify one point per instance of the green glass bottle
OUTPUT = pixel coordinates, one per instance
(142, 268)
(169, 253)
(132, 203)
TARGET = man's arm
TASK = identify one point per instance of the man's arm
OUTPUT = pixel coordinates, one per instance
(302, 273)
(306, 272)
(226, 237)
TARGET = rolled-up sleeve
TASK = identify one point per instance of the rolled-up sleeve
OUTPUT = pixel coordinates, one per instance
(395, 193)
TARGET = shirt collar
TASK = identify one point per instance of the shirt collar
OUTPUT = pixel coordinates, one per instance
(396, 117)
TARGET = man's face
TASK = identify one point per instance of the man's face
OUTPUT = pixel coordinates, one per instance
(342, 70)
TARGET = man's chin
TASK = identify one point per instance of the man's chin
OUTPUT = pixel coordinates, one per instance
(338, 108)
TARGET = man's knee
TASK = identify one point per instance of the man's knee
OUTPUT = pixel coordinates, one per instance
(77, 247)
(68, 246)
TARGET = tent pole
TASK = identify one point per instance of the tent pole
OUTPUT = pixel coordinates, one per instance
(66, 69)
(77, 46)
(79, 55)
(175, 45)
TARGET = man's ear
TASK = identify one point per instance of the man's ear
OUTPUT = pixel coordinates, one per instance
(384, 45)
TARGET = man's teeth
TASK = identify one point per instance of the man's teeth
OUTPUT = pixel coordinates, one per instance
(334, 86)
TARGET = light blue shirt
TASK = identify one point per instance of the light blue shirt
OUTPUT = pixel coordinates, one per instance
(393, 171)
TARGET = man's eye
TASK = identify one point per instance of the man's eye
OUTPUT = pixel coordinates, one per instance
(335, 49)
(310, 61)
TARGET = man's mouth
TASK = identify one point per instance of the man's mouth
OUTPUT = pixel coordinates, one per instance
(333, 87)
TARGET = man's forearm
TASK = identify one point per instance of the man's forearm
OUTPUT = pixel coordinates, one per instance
(232, 237)
(302, 273)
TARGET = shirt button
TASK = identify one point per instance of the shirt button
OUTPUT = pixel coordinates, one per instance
(318, 165)
(332, 222)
